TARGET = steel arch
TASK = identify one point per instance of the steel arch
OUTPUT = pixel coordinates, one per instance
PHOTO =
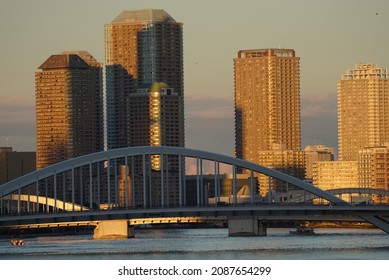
(67, 165)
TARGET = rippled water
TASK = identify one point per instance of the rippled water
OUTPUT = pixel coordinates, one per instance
(330, 244)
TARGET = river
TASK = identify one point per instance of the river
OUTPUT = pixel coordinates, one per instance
(207, 243)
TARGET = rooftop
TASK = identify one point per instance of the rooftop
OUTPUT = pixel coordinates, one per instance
(154, 87)
(143, 16)
(363, 71)
(86, 56)
(266, 53)
(58, 61)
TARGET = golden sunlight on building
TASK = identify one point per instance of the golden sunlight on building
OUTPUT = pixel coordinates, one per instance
(69, 120)
(363, 102)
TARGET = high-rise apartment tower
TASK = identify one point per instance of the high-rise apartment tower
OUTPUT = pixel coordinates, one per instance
(154, 118)
(145, 96)
(141, 47)
(267, 111)
(154, 121)
(69, 119)
(267, 101)
(363, 109)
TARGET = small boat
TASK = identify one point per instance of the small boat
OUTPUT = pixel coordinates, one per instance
(16, 241)
(303, 231)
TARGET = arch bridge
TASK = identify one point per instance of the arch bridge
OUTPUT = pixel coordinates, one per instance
(142, 178)
(380, 193)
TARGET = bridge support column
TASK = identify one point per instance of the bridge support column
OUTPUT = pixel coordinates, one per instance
(113, 229)
(245, 226)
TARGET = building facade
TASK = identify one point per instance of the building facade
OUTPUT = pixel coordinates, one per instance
(154, 120)
(15, 164)
(154, 114)
(314, 154)
(213, 190)
(363, 115)
(373, 167)
(291, 162)
(69, 120)
(141, 47)
(267, 101)
(267, 107)
(329, 175)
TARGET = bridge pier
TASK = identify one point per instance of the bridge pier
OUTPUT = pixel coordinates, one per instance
(246, 226)
(113, 229)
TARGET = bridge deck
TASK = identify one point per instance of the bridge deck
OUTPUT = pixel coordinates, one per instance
(318, 213)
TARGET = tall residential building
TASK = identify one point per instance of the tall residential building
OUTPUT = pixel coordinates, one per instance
(267, 103)
(363, 115)
(141, 47)
(154, 117)
(314, 154)
(69, 118)
(154, 121)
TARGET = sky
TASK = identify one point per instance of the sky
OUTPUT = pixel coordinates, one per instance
(329, 36)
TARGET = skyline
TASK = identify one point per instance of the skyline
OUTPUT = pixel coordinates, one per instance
(345, 38)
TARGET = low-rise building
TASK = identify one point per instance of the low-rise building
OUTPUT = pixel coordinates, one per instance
(330, 175)
(291, 162)
(15, 164)
(220, 190)
(314, 154)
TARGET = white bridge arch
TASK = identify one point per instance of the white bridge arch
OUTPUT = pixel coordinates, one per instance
(47, 182)
(72, 164)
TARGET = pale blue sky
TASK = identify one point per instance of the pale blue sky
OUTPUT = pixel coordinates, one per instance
(329, 36)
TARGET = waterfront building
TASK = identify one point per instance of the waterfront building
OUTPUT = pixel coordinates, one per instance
(267, 109)
(363, 115)
(329, 175)
(373, 167)
(291, 162)
(14, 164)
(154, 114)
(145, 96)
(267, 101)
(3, 164)
(154, 120)
(218, 189)
(69, 119)
(373, 170)
(141, 47)
(314, 154)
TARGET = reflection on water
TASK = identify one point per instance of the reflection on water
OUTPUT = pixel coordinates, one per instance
(207, 244)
